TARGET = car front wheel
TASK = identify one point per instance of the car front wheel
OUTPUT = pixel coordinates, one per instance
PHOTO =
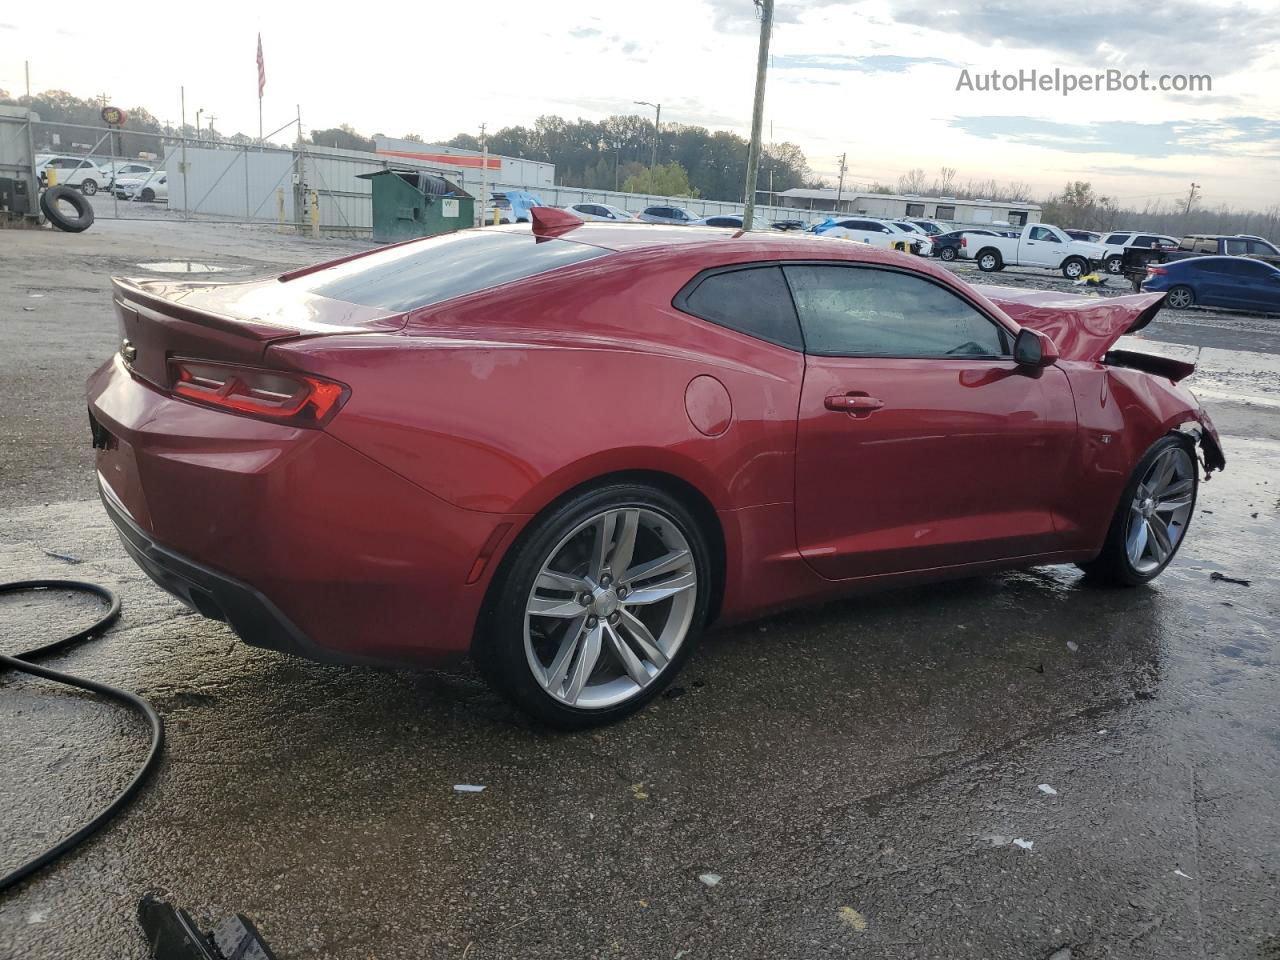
(1115, 264)
(598, 606)
(1151, 521)
(1073, 268)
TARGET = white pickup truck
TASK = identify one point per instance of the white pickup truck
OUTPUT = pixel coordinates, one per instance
(1039, 245)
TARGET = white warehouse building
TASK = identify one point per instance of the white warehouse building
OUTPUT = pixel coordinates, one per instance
(898, 206)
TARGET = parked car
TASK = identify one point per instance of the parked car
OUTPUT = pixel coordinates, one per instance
(670, 215)
(925, 247)
(71, 171)
(932, 227)
(1088, 236)
(1202, 244)
(1117, 243)
(376, 500)
(1240, 283)
(721, 220)
(878, 233)
(946, 246)
(125, 169)
(1037, 245)
(147, 189)
(601, 211)
(788, 224)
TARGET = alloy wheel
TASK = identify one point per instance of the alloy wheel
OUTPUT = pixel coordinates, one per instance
(610, 607)
(1180, 298)
(1160, 510)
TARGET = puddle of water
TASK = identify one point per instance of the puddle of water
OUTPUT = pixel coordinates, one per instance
(181, 266)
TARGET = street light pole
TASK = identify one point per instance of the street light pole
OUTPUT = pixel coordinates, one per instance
(757, 114)
(657, 127)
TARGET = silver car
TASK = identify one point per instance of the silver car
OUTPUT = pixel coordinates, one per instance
(663, 214)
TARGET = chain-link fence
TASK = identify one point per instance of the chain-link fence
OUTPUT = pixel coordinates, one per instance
(135, 175)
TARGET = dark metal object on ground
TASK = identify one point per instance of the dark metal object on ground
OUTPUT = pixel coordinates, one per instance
(173, 935)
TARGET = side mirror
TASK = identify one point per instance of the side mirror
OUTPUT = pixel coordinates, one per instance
(1031, 348)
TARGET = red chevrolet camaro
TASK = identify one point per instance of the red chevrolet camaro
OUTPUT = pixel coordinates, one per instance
(565, 448)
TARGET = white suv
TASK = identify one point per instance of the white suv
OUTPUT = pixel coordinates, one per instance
(878, 233)
(72, 172)
(1116, 243)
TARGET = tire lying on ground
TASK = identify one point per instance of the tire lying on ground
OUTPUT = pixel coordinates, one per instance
(49, 201)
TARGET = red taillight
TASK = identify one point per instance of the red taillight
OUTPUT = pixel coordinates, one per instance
(297, 399)
(1156, 271)
(964, 241)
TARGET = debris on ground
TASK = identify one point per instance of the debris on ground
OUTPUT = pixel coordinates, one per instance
(672, 692)
(851, 918)
(1072, 646)
(638, 791)
(1045, 788)
(467, 788)
(1024, 844)
(1064, 953)
(710, 879)
(1225, 579)
(1185, 876)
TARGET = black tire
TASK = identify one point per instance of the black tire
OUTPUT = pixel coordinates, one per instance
(1073, 268)
(1180, 297)
(947, 253)
(88, 187)
(147, 195)
(1115, 264)
(499, 649)
(1112, 566)
(84, 211)
(989, 260)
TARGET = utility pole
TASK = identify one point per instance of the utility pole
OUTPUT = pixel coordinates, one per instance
(757, 114)
(198, 112)
(27, 64)
(1191, 198)
(657, 128)
(840, 188)
(210, 127)
(484, 174)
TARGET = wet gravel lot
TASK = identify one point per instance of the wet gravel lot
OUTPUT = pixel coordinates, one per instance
(864, 778)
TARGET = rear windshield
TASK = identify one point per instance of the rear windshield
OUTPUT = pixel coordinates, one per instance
(441, 268)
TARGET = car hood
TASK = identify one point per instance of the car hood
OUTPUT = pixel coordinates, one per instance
(1082, 328)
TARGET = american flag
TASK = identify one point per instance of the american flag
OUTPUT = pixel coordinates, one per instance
(262, 69)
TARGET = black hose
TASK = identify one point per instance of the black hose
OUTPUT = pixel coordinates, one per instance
(22, 662)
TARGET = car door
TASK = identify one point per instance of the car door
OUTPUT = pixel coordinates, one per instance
(1256, 284)
(1041, 248)
(920, 443)
(1216, 283)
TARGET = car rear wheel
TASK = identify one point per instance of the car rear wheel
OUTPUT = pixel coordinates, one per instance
(88, 187)
(1180, 298)
(947, 253)
(1152, 519)
(598, 607)
(148, 194)
(989, 261)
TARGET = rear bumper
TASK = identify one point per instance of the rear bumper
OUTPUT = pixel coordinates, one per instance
(255, 619)
(299, 542)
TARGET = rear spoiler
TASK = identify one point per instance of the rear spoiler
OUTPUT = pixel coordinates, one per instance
(1082, 328)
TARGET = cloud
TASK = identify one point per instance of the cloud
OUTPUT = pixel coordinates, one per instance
(881, 63)
(581, 33)
(1233, 136)
(1173, 35)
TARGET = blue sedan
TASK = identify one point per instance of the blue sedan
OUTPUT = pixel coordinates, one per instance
(1235, 282)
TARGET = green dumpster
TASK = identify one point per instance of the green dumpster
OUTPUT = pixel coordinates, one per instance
(414, 203)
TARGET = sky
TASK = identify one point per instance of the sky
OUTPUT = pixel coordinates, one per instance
(878, 80)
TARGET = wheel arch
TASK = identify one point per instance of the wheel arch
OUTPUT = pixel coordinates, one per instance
(681, 488)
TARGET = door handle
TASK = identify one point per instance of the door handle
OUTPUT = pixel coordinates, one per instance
(854, 403)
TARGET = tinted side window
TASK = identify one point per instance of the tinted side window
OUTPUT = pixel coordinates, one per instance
(1265, 249)
(443, 267)
(1252, 269)
(867, 312)
(753, 301)
(1116, 239)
